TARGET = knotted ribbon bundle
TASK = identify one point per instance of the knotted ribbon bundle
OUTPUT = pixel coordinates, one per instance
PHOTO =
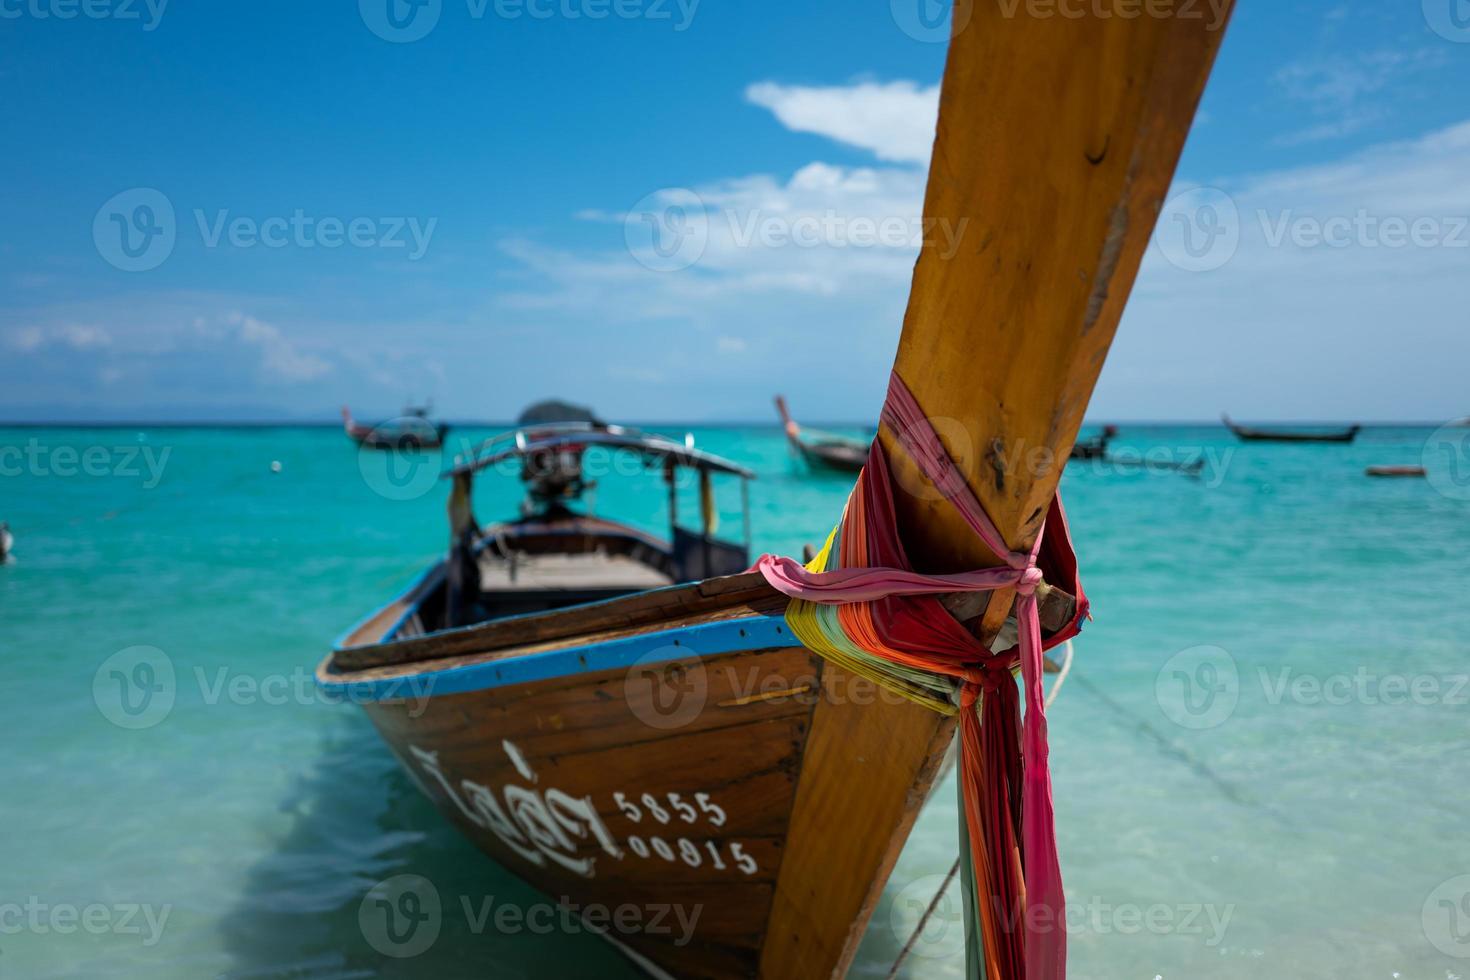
(861, 604)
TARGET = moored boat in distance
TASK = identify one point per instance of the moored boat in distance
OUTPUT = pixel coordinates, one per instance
(7, 541)
(1395, 471)
(822, 450)
(1095, 447)
(1250, 434)
(412, 430)
(628, 719)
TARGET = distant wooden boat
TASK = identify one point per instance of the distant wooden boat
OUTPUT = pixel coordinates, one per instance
(1400, 471)
(822, 450)
(625, 718)
(413, 430)
(7, 541)
(1095, 447)
(1287, 435)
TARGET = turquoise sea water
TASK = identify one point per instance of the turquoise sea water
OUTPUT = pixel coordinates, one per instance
(1260, 759)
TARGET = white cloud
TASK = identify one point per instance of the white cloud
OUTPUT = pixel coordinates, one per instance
(26, 338)
(280, 358)
(1343, 90)
(894, 120)
(1280, 331)
(1327, 308)
(730, 345)
(74, 336)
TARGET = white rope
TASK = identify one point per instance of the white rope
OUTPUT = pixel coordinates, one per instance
(1056, 687)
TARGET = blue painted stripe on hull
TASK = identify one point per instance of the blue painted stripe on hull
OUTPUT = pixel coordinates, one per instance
(707, 639)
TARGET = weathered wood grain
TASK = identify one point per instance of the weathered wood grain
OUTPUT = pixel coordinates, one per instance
(1056, 145)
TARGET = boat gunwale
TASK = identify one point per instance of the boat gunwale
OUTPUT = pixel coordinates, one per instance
(552, 659)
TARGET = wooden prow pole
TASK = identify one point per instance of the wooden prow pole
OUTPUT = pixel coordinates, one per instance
(1056, 146)
(793, 431)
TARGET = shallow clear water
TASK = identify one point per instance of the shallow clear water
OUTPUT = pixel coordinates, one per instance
(1217, 817)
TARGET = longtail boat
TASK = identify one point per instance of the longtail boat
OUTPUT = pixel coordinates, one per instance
(1395, 471)
(699, 743)
(822, 450)
(1095, 447)
(1250, 434)
(412, 430)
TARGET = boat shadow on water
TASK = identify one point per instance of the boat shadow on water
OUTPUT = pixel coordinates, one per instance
(316, 905)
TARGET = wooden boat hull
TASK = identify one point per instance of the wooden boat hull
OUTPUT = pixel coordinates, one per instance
(837, 458)
(1247, 434)
(707, 769)
(1395, 471)
(838, 455)
(375, 439)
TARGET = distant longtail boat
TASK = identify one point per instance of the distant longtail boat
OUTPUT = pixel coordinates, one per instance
(1287, 435)
(822, 450)
(412, 430)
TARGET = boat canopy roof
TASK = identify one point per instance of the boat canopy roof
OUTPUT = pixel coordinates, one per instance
(538, 438)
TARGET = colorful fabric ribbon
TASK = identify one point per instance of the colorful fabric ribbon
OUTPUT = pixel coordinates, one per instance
(861, 604)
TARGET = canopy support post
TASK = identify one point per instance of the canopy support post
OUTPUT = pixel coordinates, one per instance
(462, 573)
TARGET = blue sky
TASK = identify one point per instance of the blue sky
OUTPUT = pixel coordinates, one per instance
(462, 215)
